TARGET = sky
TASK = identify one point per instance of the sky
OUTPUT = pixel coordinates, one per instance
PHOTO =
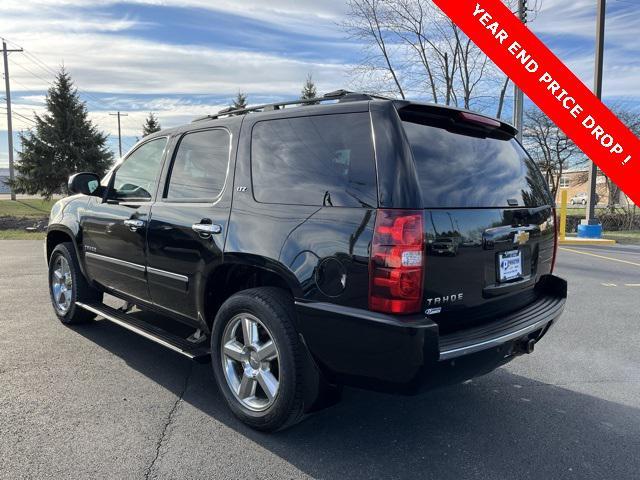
(186, 58)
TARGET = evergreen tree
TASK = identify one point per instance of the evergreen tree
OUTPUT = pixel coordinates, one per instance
(240, 101)
(151, 125)
(309, 90)
(63, 142)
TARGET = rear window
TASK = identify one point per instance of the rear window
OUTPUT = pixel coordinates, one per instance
(323, 160)
(458, 170)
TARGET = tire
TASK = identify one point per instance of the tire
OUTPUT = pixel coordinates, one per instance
(584, 202)
(63, 259)
(271, 310)
(573, 202)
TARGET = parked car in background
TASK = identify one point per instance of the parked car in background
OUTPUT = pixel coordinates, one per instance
(582, 198)
(445, 246)
(288, 246)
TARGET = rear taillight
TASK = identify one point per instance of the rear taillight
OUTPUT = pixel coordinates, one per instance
(555, 239)
(396, 267)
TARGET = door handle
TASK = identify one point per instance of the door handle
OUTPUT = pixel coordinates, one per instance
(205, 230)
(134, 224)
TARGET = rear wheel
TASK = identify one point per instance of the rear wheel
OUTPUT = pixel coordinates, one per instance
(67, 286)
(256, 358)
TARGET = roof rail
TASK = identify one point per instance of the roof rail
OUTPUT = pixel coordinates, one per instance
(340, 95)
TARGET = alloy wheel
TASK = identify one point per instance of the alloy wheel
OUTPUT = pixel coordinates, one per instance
(250, 362)
(61, 284)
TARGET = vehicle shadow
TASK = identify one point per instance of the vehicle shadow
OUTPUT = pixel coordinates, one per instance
(498, 426)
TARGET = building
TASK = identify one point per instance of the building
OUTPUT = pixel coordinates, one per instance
(576, 182)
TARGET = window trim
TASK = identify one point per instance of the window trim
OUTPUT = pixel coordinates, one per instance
(167, 179)
(566, 180)
(373, 151)
(112, 175)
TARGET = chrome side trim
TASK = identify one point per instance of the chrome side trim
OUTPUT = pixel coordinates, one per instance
(142, 333)
(164, 273)
(493, 342)
(117, 261)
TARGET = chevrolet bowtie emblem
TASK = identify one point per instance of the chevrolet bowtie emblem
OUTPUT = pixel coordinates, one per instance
(521, 237)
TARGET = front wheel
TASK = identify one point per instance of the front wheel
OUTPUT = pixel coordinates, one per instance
(67, 286)
(256, 358)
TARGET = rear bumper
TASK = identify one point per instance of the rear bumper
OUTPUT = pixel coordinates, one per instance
(388, 352)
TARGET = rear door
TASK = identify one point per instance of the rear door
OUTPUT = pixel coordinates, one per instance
(189, 220)
(488, 216)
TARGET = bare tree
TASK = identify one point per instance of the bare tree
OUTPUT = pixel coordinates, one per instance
(367, 20)
(551, 149)
(632, 121)
(412, 43)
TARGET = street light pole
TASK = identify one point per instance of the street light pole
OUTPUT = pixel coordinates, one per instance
(597, 89)
(518, 95)
(119, 114)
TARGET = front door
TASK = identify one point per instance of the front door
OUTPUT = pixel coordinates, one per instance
(189, 221)
(114, 232)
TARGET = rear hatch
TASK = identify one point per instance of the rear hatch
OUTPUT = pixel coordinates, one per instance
(487, 214)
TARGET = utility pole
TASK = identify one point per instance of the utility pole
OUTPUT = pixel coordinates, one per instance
(5, 54)
(597, 89)
(518, 96)
(118, 114)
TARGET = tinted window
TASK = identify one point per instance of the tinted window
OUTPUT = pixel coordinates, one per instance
(458, 170)
(200, 165)
(136, 177)
(319, 160)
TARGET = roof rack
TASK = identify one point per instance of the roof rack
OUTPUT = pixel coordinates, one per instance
(340, 95)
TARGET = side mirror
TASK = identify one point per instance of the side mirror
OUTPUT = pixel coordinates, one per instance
(85, 183)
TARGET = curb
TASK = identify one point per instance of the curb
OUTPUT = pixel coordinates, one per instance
(585, 241)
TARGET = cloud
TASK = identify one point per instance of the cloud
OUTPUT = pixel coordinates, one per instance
(108, 54)
(569, 28)
(145, 55)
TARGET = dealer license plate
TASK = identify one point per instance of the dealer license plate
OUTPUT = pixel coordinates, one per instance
(509, 265)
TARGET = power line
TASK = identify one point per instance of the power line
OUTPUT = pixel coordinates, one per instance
(48, 70)
(18, 114)
(32, 72)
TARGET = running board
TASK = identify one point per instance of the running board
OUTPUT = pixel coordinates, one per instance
(155, 334)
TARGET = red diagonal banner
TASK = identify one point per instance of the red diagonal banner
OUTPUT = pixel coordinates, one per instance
(551, 86)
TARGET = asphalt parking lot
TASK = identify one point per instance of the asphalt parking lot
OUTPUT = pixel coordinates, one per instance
(97, 401)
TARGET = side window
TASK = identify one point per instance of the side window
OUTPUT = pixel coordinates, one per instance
(136, 178)
(319, 160)
(199, 166)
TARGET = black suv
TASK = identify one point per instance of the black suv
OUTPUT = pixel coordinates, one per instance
(350, 240)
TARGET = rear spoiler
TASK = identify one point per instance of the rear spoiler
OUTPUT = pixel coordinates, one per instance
(454, 119)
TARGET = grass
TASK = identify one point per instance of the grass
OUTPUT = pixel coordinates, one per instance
(624, 237)
(31, 207)
(21, 235)
(629, 236)
(580, 211)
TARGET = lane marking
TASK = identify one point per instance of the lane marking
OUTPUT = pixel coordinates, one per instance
(608, 284)
(600, 256)
(632, 284)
